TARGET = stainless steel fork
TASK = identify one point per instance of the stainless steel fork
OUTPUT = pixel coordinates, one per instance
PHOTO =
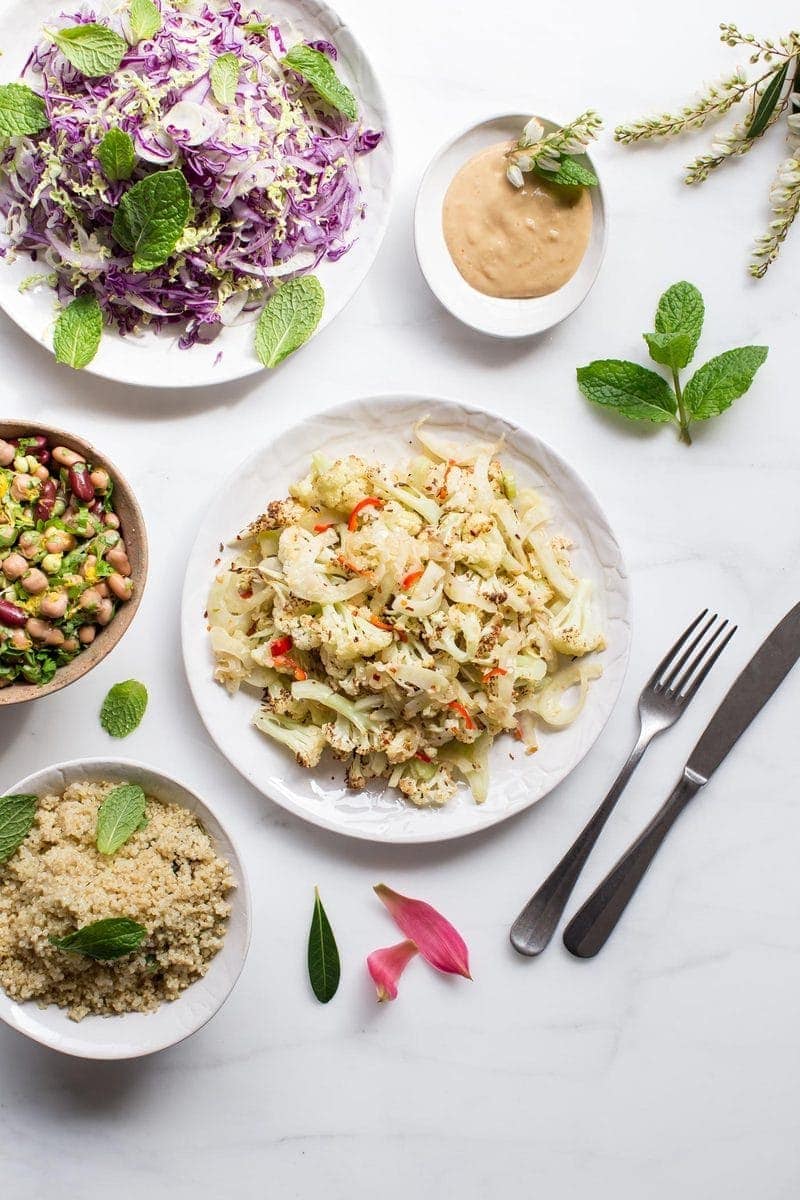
(664, 697)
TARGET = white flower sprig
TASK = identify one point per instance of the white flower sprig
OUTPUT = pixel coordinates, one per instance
(768, 95)
(545, 153)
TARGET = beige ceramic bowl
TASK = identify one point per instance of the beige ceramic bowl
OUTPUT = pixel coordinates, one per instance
(133, 531)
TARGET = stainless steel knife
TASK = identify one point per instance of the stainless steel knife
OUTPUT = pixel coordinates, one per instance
(592, 925)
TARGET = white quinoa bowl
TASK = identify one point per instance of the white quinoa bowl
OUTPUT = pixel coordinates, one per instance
(134, 1034)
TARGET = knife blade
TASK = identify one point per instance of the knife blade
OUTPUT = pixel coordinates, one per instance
(748, 694)
(594, 922)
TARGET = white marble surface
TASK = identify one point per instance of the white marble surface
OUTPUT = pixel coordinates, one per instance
(668, 1066)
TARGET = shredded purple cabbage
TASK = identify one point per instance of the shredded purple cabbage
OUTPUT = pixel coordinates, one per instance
(273, 180)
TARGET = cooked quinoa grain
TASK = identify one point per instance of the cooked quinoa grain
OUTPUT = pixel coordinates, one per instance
(167, 877)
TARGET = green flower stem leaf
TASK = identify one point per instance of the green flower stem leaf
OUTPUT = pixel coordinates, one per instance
(104, 940)
(681, 310)
(289, 319)
(145, 20)
(766, 105)
(569, 174)
(22, 112)
(721, 380)
(119, 816)
(225, 78)
(94, 50)
(672, 350)
(317, 70)
(324, 968)
(123, 708)
(17, 814)
(631, 390)
(152, 217)
(117, 155)
(78, 331)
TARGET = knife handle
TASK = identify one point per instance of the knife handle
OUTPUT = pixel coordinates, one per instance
(594, 922)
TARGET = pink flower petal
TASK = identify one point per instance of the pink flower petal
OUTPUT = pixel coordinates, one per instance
(437, 941)
(387, 965)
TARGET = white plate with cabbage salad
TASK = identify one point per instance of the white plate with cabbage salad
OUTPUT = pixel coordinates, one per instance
(418, 625)
(189, 189)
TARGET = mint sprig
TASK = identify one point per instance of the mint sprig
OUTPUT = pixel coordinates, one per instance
(79, 328)
(119, 816)
(289, 319)
(145, 20)
(152, 217)
(105, 940)
(17, 814)
(317, 70)
(22, 111)
(224, 76)
(123, 708)
(116, 155)
(640, 394)
(94, 50)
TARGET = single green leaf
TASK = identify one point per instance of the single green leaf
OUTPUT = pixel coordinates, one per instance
(670, 349)
(629, 389)
(317, 70)
(94, 50)
(289, 319)
(681, 310)
(119, 816)
(145, 20)
(123, 708)
(569, 174)
(256, 27)
(721, 380)
(117, 155)
(324, 968)
(225, 78)
(22, 112)
(104, 940)
(766, 105)
(17, 814)
(79, 328)
(152, 217)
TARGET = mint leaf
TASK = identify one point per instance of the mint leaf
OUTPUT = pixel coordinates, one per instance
(123, 708)
(681, 310)
(151, 218)
(119, 816)
(317, 70)
(94, 50)
(569, 174)
(79, 328)
(17, 814)
(22, 112)
(324, 968)
(104, 940)
(670, 349)
(145, 20)
(117, 155)
(721, 380)
(225, 78)
(289, 319)
(766, 105)
(629, 389)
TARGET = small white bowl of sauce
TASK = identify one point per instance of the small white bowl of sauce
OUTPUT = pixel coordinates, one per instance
(508, 262)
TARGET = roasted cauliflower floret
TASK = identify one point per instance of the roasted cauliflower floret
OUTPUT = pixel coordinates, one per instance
(575, 629)
(306, 742)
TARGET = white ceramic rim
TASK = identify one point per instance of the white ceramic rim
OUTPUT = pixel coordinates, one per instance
(193, 628)
(489, 315)
(132, 361)
(26, 1017)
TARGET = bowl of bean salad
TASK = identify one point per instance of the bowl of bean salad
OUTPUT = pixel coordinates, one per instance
(73, 559)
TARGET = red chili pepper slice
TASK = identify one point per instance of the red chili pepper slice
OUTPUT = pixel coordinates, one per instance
(423, 757)
(324, 527)
(490, 674)
(280, 647)
(458, 707)
(410, 579)
(367, 502)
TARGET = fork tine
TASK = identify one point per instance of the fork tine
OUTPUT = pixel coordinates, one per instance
(697, 660)
(673, 650)
(709, 664)
(690, 649)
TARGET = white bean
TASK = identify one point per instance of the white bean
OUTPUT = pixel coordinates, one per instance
(122, 588)
(35, 581)
(15, 566)
(87, 634)
(65, 457)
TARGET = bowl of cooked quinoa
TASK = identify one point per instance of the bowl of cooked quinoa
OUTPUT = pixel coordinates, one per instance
(125, 911)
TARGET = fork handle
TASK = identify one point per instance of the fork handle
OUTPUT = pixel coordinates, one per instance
(592, 925)
(536, 924)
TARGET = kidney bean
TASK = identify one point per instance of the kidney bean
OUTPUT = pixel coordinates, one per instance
(12, 616)
(46, 502)
(80, 483)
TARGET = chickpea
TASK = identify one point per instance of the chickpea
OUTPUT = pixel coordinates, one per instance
(90, 600)
(21, 464)
(20, 639)
(70, 645)
(7, 453)
(34, 581)
(118, 559)
(111, 520)
(38, 629)
(15, 566)
(54, 605)
(100, 479)
(8, 535)
(65, 457)
(55, 637)
(41, 472)
(58, 541)
(24, 488)
(87, 634)
(51, 564)
(30, 543)
(105, 612)
(120, 587)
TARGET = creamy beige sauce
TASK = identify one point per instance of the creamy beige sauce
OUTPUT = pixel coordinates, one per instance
(514, 242)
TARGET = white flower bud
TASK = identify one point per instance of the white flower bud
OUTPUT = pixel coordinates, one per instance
(515, 176)
(533, 132)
